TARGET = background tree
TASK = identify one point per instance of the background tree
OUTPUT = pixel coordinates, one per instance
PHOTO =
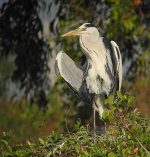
(22, 35)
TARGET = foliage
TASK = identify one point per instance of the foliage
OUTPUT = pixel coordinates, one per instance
(127, 135)
(122, 105)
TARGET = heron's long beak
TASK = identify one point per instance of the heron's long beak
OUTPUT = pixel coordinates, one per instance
(72, 33)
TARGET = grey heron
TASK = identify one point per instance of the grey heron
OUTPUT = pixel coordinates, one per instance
(101, 74)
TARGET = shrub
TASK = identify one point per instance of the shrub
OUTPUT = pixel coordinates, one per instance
(127, 135)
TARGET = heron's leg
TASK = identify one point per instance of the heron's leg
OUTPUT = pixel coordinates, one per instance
(94, 120)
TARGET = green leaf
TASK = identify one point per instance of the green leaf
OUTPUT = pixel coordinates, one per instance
(108, 115)
(112, 154)
(130, 100)
(109, 100)
(41, 141)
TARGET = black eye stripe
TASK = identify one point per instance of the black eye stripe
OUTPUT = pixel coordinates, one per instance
(89, 25)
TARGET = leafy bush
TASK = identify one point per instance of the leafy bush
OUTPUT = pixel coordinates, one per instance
(127, 135)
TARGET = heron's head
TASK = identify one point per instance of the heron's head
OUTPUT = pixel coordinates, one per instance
(84, 30)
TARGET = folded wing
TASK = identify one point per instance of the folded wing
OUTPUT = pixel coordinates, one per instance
(118, 59)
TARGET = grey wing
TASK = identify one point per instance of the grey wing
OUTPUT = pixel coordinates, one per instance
(73, 75)
(118, 61)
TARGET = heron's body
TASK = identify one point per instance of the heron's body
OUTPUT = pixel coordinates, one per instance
(98, 81)
(102, 74)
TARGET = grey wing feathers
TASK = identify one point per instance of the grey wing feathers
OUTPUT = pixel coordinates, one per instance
(73, 75)
(118, 70)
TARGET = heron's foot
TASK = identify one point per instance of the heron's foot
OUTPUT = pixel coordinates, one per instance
(100, 125)
(103, 131)
(100, 130)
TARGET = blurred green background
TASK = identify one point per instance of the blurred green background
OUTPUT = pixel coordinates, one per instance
(34, 101)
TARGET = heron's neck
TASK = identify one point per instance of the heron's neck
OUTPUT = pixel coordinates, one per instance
(92, 47)
(95, 54)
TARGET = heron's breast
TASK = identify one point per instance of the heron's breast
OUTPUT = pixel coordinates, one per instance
(92, 81)
(98, 81)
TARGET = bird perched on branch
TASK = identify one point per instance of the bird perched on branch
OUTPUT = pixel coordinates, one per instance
(101, 73)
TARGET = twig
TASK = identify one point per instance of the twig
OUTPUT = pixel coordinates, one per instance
(138, 141)
(66, 119)
(55, 149)
(142, 146)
